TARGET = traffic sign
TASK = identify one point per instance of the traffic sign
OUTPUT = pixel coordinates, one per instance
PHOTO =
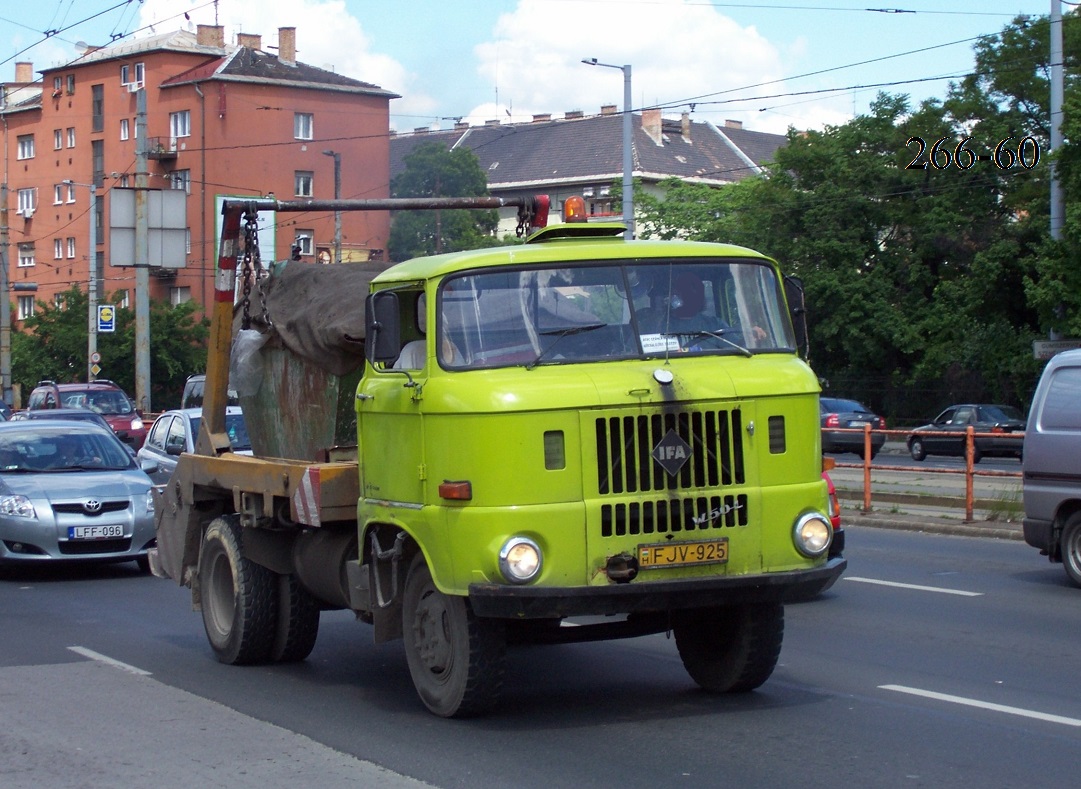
(95, 369)
(106, 318)
(95, 357)
(1045, 349)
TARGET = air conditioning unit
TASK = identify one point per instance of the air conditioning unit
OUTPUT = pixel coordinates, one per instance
(133, 87)
(28, 213)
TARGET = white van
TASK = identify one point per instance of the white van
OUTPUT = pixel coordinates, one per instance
(1052, 464)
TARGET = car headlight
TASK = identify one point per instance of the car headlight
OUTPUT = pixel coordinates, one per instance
(812, 534)
(19, 506)
(520, 560)
(150, 501)
(136, 424)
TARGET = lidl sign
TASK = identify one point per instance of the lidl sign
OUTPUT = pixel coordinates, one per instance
(106, 318)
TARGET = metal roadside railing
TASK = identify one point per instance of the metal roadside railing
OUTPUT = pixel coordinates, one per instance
(969, 470)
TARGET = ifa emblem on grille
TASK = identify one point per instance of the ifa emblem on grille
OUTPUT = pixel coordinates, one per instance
(92, 506)
(671, 452)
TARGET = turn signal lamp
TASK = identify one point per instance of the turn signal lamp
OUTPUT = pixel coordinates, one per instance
(456, 490)
(574, 209)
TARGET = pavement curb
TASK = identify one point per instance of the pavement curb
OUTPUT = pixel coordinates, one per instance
(932, 525)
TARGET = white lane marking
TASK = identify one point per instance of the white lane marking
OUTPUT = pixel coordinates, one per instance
(89, 653)
(986, 705)
(912, 586)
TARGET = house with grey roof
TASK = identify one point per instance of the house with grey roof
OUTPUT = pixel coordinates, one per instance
(583, 155)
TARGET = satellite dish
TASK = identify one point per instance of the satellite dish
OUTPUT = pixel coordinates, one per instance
(81, 47)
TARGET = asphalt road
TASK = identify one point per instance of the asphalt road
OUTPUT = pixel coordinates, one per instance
(936, 661)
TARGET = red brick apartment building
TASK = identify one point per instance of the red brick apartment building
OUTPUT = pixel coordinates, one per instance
(221, 121)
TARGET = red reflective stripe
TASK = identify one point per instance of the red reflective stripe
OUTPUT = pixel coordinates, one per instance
(225, 281)
(306, 498)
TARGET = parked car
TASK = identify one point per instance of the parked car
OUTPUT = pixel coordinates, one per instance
(840, 413)
(77, 414)
(175, 432)
(193, 392)
(71, 491)
(1051, 467)
(101, 396)
(999, 430)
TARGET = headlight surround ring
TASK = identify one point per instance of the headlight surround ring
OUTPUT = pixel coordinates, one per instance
(812, 534)
(520, 560)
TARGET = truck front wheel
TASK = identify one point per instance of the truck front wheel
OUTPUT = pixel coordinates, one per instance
(239, 597)
(732, 649)
(456, 659)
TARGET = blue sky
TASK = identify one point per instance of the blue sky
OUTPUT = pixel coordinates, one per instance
(508, 59)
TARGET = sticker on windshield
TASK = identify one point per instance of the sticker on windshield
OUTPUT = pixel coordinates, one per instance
(659, 343)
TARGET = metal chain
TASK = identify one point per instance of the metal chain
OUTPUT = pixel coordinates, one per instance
(248, 257)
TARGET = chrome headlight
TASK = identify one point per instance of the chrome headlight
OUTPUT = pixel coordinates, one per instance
(19, 506)
(520, 560)
(812, 534)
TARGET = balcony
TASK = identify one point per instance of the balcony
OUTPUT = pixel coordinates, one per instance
(161, 148)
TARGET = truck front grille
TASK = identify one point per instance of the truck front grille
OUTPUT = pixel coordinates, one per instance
(625, 443)
(674, 515)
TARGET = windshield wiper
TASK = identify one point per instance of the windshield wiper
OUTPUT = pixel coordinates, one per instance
(717, 335)
(559, 334)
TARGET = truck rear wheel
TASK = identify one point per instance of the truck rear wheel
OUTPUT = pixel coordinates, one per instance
(456, 659)
(1071, 548)
(239, 597)
(298, 622)
(732, 649)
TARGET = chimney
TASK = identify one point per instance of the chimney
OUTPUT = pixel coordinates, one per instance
(287, 45)
(573, 114)
(651, 125)
(492, 122)
(608, 109)
(543, 117)
(210, 36)
(730, 124)
(420, 130)
(461, 125)
(685, 122)
(249, 40)
(24, 71)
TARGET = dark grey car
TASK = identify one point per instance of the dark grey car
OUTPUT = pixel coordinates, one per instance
(70, 490)
(999, 431)
(841, 418)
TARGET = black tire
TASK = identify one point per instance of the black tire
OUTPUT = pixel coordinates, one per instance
(456, 659)
(298, 622)
(733, 649)
(239, 597)
(977, 455)
(143, 563)
(1070, 546)
(915, 448)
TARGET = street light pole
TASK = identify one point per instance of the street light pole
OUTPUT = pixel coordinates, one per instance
(92, 286)
(628, 153)
(337, 196)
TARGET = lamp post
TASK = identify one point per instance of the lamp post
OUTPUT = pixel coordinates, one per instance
(92, 286)
(337, 196)
(628, 182)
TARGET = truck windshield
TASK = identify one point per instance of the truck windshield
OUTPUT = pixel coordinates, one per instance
(605, 311)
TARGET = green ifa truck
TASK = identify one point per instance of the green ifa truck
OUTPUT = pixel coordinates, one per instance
(578, 437)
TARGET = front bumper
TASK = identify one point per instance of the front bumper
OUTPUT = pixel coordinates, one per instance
(517, 602)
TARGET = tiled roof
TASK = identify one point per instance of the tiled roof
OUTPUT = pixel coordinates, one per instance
(590, 148)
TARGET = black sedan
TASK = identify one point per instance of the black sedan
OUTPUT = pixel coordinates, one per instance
(841, 418)
(999, 430)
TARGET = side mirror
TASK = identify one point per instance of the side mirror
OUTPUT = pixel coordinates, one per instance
(797, 311)
(382, 327)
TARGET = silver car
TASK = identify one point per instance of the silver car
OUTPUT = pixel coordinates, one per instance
(174, 432)
(71, 491)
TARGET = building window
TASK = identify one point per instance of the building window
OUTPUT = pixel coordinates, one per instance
(97, 157)
(71, 84)
(303, 182)
(180, 124)
(25, 147)
(71, 136)
(122, 299)
(303, 241)
(302, 125)
(187, 241)
(26, 255)
(124, 129)
(58, 139)
(71, 193)
(58, 84)
(71, 247)
(181, 179)
(124, 180)
(58, 194)
(132, 75)
(97, 108)
(178, 296)
(27, 201)
(26, 307)
(58, 249)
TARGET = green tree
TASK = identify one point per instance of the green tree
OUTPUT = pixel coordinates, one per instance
(54, 347)
(433, 171)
